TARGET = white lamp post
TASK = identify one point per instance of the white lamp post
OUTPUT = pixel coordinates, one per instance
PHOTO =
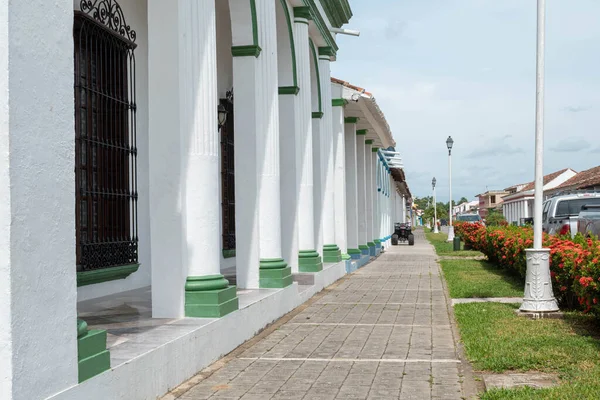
(449, 143)
(435, 228)
(539, 296)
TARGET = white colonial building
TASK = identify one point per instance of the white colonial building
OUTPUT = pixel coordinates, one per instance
(174, 175)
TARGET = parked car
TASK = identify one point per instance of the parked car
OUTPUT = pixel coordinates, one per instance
(560, 213)
(470, 218)
(588, 221)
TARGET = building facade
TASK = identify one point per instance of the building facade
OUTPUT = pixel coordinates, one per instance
(175, 175)
(517, 206)
(489, 200)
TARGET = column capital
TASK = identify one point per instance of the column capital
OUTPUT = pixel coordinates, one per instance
(338, 102)
(362, 132)
(351, 120)
(302, 13)
(369, 141)
(327, 51)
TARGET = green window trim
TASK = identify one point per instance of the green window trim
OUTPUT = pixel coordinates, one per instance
(229, 253)
(106, 274)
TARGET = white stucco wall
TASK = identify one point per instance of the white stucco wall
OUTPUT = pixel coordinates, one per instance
(38, 351)
(135, 12)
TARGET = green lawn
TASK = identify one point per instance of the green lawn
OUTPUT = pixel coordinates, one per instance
(475, 278)
(443, 248)
(497, 340)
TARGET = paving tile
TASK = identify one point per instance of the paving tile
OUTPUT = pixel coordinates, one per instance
(364, 336)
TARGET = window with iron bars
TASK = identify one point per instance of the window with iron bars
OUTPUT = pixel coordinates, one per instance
(105, 142)
(228, 176)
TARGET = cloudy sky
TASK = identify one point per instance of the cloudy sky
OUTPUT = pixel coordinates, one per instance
(466, 68)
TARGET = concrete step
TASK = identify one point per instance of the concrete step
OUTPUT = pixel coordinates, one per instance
(307, 279)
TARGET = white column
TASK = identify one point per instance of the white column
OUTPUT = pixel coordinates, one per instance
(267, 147)
(38, 290)
(289, 179)
(361, 189)
(341, 238)
(331, 251)
(185, 225)
(308, 253)
(376, 193)
(351, 186)
(369, 168)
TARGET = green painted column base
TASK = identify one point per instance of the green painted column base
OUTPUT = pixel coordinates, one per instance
(209, 297)
(274, 274)
(309, 261)
(332, 253)
(92, 356)
(346, 257)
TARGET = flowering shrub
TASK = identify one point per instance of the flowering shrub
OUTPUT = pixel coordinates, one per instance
(574, 262)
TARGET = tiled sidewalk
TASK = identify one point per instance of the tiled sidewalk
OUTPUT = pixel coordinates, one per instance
(380, 333)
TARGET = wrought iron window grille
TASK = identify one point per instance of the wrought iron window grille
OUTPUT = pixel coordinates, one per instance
(228, 173)
(105, 137)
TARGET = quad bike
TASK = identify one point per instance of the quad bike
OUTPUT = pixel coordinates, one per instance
(403, 233)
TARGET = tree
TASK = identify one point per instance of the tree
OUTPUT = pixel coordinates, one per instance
(463, 200)
(495, 218)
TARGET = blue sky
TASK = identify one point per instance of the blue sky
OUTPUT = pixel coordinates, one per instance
(466, 68)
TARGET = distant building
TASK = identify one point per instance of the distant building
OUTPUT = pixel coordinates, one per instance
(518, 203)
(465, 208)
(584, 180)
(490, 200)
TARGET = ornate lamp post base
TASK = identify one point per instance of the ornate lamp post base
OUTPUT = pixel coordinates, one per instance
(450, 233)
(538, 285)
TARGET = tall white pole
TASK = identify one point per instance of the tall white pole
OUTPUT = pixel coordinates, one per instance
(450, 227)
(435, 227)
(539, 124)
(539, 296)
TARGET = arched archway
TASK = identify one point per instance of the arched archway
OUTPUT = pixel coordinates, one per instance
(286, 51)
(315, 79)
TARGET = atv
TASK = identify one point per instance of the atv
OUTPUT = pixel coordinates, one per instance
(403, 233)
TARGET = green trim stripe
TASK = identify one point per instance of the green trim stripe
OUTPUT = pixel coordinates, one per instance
(321, 24)
(318, 74)
(339, 102)
(106, 274)
(302, 12)
(229, 253)
(289, 90)
(292, 44)
(338, 12)
(254, 23)
(246, 51)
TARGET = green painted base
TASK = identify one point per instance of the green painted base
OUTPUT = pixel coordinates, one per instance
(346, 257)
(92, 356)
(332, 253)
(106, 274)
(363, 247)
(353, 251)
(274, 274)
(309, 261)
(205, 297)
(371, 244)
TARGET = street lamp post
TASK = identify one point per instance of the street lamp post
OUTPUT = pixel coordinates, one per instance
(449, 143)
(539, 296)
(435, 227)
